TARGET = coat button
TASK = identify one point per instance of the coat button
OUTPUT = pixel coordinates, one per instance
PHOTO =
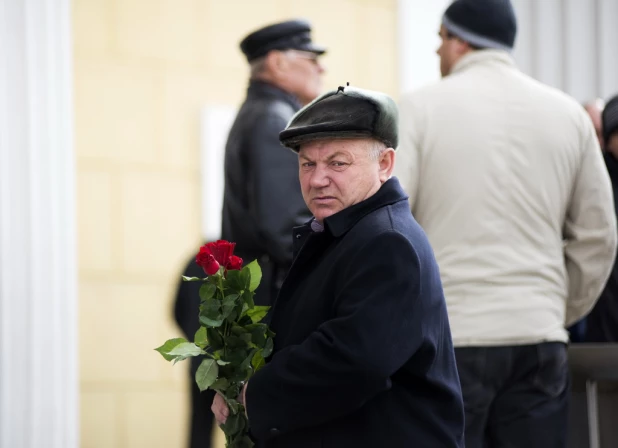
(274, 432)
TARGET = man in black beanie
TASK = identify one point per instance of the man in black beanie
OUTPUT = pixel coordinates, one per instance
(507, 179)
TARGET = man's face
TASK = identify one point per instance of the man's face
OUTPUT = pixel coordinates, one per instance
(304, 75)
(450, 51)
(335, 174)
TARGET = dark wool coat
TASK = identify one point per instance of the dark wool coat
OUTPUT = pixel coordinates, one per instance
(363, 353)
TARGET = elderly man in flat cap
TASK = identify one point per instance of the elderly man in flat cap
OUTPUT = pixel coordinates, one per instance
(363, 354)
(262, 198)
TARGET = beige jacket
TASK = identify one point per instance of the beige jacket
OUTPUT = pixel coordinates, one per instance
(507, 178)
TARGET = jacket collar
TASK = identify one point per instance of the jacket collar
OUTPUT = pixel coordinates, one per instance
(389, 193)
(258, 88)
(483, 57)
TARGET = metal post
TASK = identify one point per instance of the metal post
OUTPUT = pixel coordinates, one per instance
(593, 414)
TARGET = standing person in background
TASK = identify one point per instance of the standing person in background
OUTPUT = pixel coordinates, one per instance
(507, 179)
(262, 198)
(602, 322)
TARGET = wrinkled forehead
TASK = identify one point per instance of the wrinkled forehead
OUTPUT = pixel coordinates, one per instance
(326, 148)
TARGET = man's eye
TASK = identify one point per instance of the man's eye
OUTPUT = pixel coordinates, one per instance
(339, 164)
(307, 164)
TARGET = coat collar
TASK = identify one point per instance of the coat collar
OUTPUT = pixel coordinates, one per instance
(258, 88)
(483, 57)
(389, 193)
(339, 223)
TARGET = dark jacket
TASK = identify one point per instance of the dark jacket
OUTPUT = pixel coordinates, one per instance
(602, 322)
(363, 353)
(262, 198)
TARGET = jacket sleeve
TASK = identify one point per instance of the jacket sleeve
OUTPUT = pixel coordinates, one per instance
(277, 203)
(408, 156)
(589, 231)
(378, 326)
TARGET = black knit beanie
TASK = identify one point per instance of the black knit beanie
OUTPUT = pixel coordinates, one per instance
(482, 23)
(609, 118)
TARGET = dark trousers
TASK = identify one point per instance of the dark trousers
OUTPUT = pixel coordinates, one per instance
(515, 396)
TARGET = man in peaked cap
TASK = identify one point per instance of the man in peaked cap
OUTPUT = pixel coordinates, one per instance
(506, 177)
(363, 354)
(262, 198)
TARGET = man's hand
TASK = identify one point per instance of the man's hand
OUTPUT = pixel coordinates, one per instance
(220, 409)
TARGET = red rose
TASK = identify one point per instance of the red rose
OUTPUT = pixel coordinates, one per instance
(207, 261)
(234, 263)
(222, 250)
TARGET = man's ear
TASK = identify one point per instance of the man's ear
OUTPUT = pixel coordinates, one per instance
(387, 164)
(275, 62)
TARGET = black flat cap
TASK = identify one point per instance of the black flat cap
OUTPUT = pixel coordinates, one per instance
(347, 112)
(290, 35)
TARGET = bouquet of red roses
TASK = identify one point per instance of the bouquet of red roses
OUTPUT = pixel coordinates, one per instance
(231, 334)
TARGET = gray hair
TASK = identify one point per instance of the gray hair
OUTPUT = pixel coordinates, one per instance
(376, 148)
(257, 67)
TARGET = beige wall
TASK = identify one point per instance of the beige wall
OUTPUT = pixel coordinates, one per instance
(143, 69)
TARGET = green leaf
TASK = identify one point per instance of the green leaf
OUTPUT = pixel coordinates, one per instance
(169, 345)
(258, 361)
(247, 297)
(257, 313)
(238, 330)
(213, 323)
(210, 313)
(186, 349)
(210, 308)
(234, 281)
(229, 302)
(200, 338)
(235, 356)
(245, 278)
(220, 384)
(222, 363)
(242, 341)
(207, 291)
(268, 348)
(258, 334)
(206, 374)
(215, 341)
(256, 275)
(244, 365)
(192, 279)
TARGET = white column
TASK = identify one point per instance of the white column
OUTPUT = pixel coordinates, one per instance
(38, 307)
(418, 26)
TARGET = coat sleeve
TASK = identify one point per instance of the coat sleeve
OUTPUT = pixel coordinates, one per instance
(589, 231)
(378, 326)
(277, 203)
(408, 156)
